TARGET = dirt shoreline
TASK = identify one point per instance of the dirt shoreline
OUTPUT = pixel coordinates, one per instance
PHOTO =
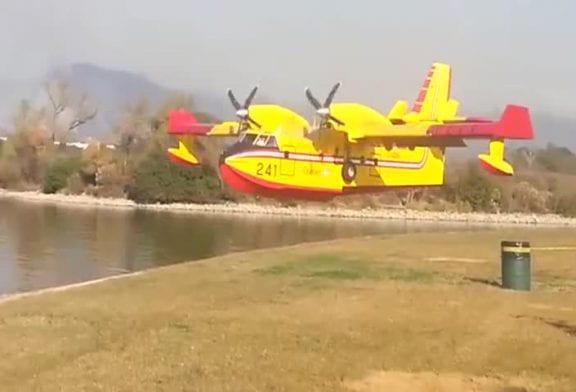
(257, 209)
(5, 298)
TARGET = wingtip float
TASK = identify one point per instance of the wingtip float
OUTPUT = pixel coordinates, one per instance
(349, 147)
(183, 124)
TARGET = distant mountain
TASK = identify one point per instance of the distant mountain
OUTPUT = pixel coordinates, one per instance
(560, 131)
(110, 91)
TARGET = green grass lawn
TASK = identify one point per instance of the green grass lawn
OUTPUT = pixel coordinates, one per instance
(397, 313)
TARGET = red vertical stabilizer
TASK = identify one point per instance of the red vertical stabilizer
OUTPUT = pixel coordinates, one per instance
(515, 123)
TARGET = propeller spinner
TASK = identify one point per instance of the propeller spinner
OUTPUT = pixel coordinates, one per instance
(323, 110)
(242, 110)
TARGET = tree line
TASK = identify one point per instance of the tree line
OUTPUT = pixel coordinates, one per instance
(34, 157)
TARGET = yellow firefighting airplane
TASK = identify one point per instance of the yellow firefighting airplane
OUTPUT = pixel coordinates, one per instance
(349, 148)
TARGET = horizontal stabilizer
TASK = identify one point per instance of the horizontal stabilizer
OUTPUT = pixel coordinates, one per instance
(514, 123)
(181, 122)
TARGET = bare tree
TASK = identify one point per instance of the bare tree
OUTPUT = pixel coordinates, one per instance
(27, 140)
(529, 156)
(408, 197)
(69, 110)
(136, 126)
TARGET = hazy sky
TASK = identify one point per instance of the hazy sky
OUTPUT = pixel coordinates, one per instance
(502, 51)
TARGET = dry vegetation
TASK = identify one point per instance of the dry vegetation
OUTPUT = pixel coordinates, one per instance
(419, 312)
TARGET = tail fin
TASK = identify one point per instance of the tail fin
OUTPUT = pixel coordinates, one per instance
(433, 101)
(515, 123)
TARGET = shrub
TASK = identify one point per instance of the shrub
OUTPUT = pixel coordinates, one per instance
(566, 205)
(75, 185)
(157, 180)
(10, 174)
(59, 172)
(477, 191)
(556, 159)
(526, 198)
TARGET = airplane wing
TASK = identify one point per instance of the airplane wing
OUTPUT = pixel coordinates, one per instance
(514, 123)
(270, 118)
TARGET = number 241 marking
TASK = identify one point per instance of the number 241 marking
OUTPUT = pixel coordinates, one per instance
(268, 170)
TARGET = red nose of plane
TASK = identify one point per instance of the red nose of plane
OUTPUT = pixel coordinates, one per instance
(235, 180)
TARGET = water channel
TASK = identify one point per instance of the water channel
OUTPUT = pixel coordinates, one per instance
(44, 245)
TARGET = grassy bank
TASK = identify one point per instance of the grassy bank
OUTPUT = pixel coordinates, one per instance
(401, 313)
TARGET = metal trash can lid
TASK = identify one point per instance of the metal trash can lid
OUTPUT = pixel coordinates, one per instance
(515, 244)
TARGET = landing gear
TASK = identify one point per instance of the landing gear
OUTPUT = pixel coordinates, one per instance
(348, 172)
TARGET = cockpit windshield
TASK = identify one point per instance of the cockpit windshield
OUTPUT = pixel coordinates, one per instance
(247, 141)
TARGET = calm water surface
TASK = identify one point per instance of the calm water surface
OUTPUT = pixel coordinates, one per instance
(45, 245)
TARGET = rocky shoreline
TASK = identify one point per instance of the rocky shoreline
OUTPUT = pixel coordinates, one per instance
(329, 212)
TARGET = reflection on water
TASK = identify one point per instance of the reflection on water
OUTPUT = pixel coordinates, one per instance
(44, 245)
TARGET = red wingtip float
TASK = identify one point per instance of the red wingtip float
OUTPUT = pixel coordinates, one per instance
(349, 148)
(182, 123)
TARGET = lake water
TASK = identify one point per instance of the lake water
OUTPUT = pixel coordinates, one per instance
(45, 245)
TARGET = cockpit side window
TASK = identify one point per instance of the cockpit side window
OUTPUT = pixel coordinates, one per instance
(261, 140)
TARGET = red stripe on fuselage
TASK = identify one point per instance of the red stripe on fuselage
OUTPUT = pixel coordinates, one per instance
(304, 157)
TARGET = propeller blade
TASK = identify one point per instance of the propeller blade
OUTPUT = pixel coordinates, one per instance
(332, 94)
(336, 120)
(254, 122)
(234, 101)
(324, 110)
(250, 97)
(312, 99)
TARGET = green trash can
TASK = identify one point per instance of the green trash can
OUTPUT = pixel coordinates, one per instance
(516, 265)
